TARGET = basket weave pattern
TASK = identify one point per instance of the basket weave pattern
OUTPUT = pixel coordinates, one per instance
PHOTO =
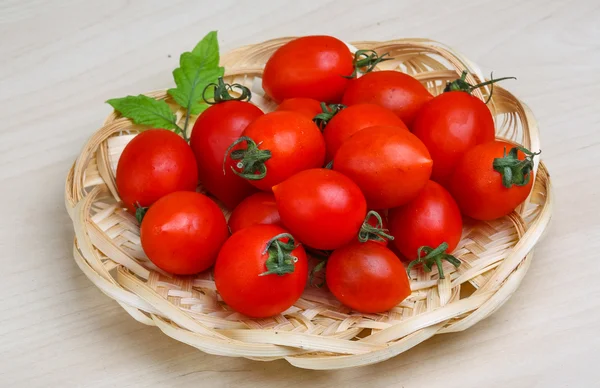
(317, 332)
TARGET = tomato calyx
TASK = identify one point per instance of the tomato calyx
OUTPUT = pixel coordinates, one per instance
(140, 212)
(369, 232)
(328, 112)
(366, 60)
(222, 92)
(514, 171)
(251, 159)
(461, 84)
(280, 260)
(433, 256)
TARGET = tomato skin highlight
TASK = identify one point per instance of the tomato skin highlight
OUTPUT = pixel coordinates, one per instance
(238, 268)
(431, 218)
(322, 208)
(450, 125)
(215, 129)
(295, 143)
(259, 208)
(182, 232)
(478, 188)
(354, 118)
(389, 164)
(396, 91)
(367, 277)
(310, 67)
(307, 106)
(153, 164)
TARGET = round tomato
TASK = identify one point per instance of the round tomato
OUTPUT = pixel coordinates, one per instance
(322, 208)
(389, 164)
(396, 91)
(215, 129)
(307, 106)
(492, 179)
(261, 271)
(429, 219)
(182, 232)
(367, 277)
(259, 208)
(155, 163)
(449, 125)
(354, 118)
(312, 67)
(278, 145)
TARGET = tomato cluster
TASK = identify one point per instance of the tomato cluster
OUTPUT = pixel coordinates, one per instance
(348, 153)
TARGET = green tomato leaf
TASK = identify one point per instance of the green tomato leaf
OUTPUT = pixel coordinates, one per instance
(146, 110)
(196, 70)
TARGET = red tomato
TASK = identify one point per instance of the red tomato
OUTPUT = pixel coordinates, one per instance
(183, 232)
(249, 278)
(354, 118)
(259, 208)
(391, 89)
(155, 163)
(429, 219)
(367, 277)
(322, 208)
(481, 191)
(389, 164)
(215, 129)
(310, 66)
(450, 125)
(278, 145)
(307, 106)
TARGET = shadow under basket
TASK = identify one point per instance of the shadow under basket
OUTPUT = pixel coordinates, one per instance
(317, 332)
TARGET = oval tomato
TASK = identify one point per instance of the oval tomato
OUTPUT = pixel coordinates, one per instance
(322, 208)
(215, 129)
(310, 66)
(259, 208)
(182, 232)
(307, 106)
(396, 91)
(249, 278)
(367, 277)
(482, 187)
(389, 164)
(155, 163)
(354, 118)
(278, 145)
(449, 125)
(429, 219)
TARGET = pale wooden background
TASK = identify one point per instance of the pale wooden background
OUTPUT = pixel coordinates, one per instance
(60, 60)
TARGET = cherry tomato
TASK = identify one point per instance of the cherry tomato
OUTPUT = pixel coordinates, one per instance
(182, 232)
(249, 278)
(354, 118)
(310, 66)
(481, 190)
(307, 106)
(322, 208)
(430, 219)
(367, 277)
(389, 164)
(259, 208)
(155, 163)
(449, 125)
(215, 129)
(391, 89)
(278, 145)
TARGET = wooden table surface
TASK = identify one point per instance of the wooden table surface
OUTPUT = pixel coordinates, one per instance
(59, 62)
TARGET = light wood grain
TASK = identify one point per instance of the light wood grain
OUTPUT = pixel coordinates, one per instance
(60, 60)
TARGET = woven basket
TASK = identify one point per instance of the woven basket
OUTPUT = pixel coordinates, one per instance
(317, 332)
